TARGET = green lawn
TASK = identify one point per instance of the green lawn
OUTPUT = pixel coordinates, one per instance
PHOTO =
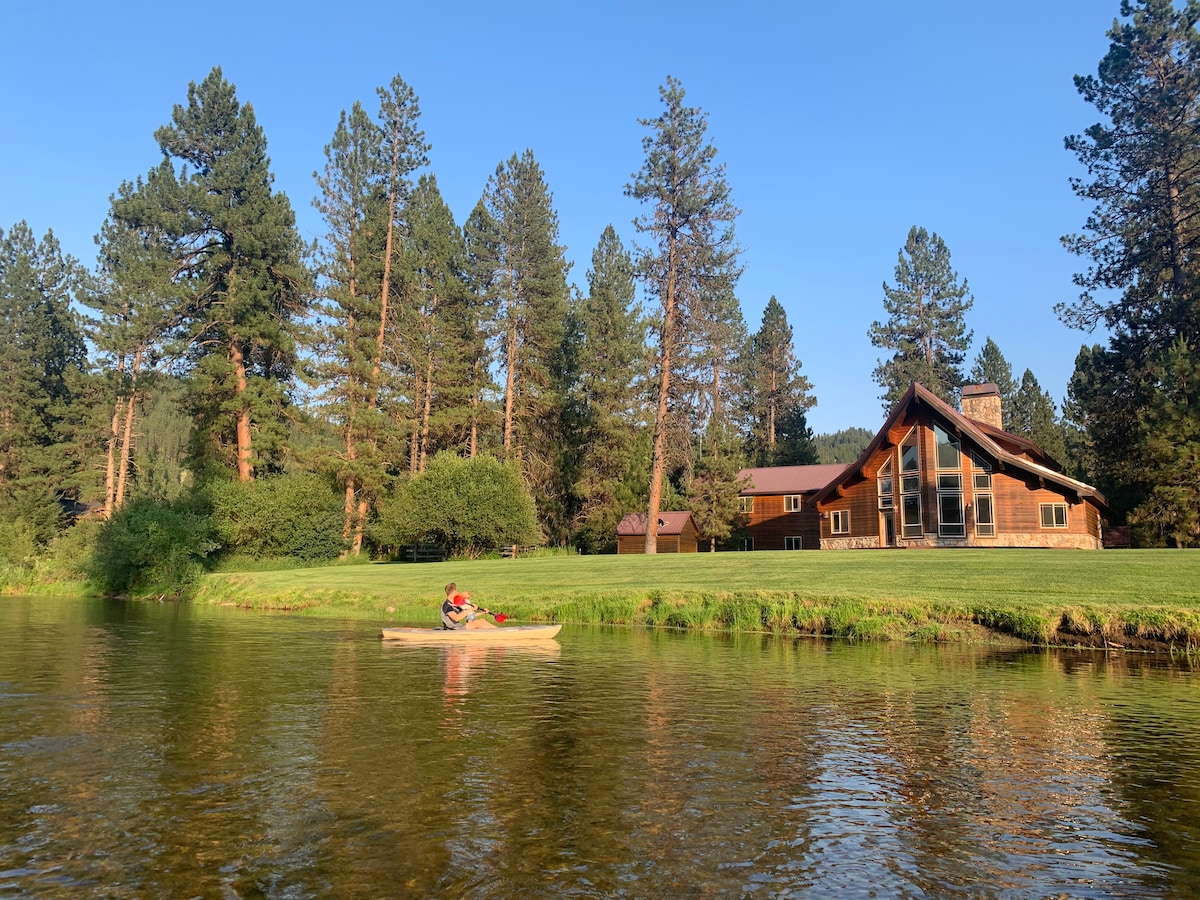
(1038, 595)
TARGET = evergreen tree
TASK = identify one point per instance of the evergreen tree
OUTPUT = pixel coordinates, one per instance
(239, 259)
(925, 329)
(41, 359)
(529, 286)
(692, 254)
(442, 324)
(992, 368)
(777, 391)
(1141, 239)
(609, 390)
(1033, 416)
(1171, 440)
(352, 200)
(795, 444)
(364, 195)
(716, 495)
(1143, 235)
(140, 307)
(843, 446)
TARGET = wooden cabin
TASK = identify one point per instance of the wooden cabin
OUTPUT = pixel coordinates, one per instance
(677, 533)
(935, 477)
(778, 507)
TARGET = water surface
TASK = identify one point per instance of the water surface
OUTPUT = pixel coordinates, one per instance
(154, 750)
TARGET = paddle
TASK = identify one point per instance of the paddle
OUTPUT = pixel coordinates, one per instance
(499, 617)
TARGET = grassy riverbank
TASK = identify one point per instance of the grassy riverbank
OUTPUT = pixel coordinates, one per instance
(1135, 599)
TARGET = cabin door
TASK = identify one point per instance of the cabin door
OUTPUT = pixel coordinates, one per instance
(889, 528)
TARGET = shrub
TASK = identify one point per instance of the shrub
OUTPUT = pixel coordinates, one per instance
(153, 547)
(297, 515)
(468, 506)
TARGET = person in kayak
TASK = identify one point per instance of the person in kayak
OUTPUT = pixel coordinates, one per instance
(459, 612)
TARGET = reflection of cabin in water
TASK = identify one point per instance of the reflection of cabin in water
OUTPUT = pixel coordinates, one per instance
(935, 477)
(677, 533)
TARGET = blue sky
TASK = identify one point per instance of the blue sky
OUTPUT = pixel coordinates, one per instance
(841, 126)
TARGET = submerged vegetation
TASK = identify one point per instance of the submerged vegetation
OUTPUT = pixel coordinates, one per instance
(1132, 600)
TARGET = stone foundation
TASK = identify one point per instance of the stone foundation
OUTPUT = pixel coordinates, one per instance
(1059, 541)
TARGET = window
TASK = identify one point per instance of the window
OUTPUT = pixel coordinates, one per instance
(886, 500)
(910, 516)
(950, 482)
(948, 450)
(985, 516)
(747, 543)
(840, 521)
(793, 543)
(983, 474)
(1054, 515)
(747, 504)
(950, 515)
(791, 503)
(910, 487)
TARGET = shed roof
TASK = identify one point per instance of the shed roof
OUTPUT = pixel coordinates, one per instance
(790, 479)
(668, 523)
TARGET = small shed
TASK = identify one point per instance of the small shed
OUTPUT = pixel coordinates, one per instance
(677, 533)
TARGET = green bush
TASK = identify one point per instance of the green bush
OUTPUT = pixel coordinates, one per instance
(297, 516)
(153, 547)
(468, 506)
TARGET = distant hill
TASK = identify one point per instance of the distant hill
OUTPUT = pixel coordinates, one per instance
(842, 446)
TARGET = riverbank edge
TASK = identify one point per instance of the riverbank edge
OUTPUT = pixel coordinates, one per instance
(1159, 628)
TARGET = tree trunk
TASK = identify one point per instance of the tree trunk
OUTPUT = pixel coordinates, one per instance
(126, 445)
(244, 448)
(110, 465)
(657, 455)
(510, 349)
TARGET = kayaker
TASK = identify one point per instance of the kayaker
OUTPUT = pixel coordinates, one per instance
(459, 612)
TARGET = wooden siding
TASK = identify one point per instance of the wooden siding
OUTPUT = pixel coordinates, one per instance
(1017, 498)
(667, 543)
(769, 525)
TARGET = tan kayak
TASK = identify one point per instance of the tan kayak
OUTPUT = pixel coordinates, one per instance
(513, 634)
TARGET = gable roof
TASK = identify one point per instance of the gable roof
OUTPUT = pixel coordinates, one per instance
(668, 523)
(790, 479)
(991, 441)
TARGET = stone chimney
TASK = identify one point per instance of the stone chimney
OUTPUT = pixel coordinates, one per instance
(981, 402)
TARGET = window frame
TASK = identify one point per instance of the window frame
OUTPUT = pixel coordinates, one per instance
(747, 503)
(910, 486)
(792, 503)
(1053, 507)
(985, 528)
(793, 542)
(839, 521)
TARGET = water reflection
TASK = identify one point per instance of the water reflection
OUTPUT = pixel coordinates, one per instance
(159, 751)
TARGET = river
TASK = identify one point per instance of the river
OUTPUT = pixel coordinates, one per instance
(162, 750)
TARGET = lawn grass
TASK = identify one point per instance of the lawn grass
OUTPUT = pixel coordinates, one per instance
(1116, 598)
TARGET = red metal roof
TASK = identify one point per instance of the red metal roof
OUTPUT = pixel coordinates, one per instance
(668, 523)
(791, 479)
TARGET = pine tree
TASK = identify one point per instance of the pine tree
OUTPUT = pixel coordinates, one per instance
(609, 390)
(1033, 416)
(692, 253)
(777, 391)
(41, 355)
(442, 324)
(1171, 441)
(925, 329)
(1141, 239)
(529, 286)
(240, 259)
(1143, 235)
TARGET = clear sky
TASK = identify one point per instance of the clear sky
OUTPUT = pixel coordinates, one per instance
(841, 126)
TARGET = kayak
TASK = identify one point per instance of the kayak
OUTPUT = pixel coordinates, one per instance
(513, 634)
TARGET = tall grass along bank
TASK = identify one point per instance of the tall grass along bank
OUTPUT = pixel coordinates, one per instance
(1121, 599)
